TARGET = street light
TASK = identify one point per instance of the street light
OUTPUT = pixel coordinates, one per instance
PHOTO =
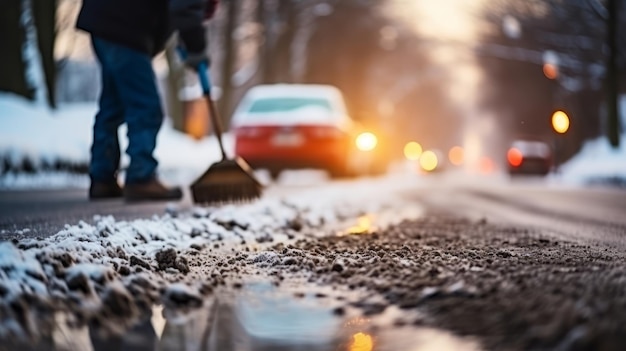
(550, 70)
(560, 122)
(550, 64)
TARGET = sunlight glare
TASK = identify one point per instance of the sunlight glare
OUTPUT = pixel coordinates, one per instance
(445, 19)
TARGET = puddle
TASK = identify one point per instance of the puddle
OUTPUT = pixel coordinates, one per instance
(364, 225)
(377, 222)
(266, 315)
(259, 317)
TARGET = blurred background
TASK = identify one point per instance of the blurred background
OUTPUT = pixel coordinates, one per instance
(448, 74)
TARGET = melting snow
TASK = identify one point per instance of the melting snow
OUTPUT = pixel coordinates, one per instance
(110, 251)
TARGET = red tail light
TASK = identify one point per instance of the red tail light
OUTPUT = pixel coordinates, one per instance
(515, 157)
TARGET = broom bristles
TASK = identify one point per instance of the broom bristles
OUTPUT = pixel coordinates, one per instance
(226, 181)
(225, 193)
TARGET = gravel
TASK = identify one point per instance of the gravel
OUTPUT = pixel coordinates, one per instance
(512, 288)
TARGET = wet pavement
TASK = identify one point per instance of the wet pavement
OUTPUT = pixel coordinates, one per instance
(260, 317)
(41, 213)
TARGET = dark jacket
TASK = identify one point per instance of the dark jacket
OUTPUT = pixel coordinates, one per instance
(187, 16)
(145, 25)
(211, 8)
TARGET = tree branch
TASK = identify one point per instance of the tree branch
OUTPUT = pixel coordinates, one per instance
(598, 9)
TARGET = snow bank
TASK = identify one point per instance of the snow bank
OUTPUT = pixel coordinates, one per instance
(34, 131)
(596, 161)
(42, 137)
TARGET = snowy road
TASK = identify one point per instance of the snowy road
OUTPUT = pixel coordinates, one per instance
(591, 215)
(42, 213)
(569, 210)
(394, 263)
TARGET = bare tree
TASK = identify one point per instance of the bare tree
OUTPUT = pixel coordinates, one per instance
(612, 74)
(229, 57)
(12, 61)
(44, 14)
(14, 29)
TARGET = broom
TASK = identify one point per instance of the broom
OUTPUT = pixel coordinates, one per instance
(228, 180)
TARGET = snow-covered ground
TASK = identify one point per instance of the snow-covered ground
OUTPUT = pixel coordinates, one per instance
(88, 269)
(597, 161)
(44, 136)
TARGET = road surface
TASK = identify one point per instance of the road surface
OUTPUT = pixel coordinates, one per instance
(487, 265)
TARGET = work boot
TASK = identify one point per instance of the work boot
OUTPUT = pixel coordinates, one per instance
(151, 190)
(104, 190)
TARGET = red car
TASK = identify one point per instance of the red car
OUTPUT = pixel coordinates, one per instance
(529, 157)
(288, 126)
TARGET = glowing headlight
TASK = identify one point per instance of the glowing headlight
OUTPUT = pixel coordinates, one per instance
(366, 141)
(412, 151)
(429, 161)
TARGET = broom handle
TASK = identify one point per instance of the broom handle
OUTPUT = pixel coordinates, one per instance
(206, 91)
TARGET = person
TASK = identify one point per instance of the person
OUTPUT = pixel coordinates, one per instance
(125, 36)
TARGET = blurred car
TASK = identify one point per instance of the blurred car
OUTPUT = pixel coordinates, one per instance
(291, 126)
(529, 157)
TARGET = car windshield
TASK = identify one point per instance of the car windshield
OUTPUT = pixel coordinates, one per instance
(287, 104)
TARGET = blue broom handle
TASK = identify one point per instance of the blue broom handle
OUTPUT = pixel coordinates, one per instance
(205, 81)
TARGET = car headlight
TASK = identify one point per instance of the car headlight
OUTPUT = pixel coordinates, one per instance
(412, 151)
(366, 141)
(429, 161)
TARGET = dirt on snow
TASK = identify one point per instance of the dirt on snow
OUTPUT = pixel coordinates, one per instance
(511, 288)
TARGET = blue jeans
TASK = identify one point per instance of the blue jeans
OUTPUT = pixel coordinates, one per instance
(129, 95)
